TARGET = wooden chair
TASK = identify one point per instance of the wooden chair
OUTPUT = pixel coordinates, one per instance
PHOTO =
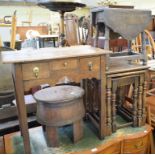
(72, 29)
(150, 46)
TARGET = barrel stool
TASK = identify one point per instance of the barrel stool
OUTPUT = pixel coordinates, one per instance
(59, 106)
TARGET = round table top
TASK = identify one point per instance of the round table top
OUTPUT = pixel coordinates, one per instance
(64, 6)
(59, 94)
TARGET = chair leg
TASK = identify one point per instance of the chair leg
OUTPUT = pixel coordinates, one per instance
(52, 136)
(77, 130)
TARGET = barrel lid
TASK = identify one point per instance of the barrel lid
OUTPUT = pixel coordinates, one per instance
(59, 94)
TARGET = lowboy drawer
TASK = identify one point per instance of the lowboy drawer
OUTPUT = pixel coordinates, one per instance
(64, 64)
(91, 64)
(137, 145)
(35, 71)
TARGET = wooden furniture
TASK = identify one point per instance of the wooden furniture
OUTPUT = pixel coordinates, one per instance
(13, 31)
(150, 103)
(127, 140)
(127, 26)
(119, 75)
(151, 109)
(72, 30)
(21, 30)
(43, 39)
(59, 106)
(151, 75)
(2, 149)
(48, 66)
(150, 46)
(151, 25)
(62, 7)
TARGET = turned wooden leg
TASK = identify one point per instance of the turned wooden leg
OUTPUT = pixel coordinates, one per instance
(52, 136)
(108, 99)
(140, 102)
(77, 130)
(144, 102)
(135, 96)
(114, 88)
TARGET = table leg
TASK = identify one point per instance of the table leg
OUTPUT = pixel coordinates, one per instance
(135, 95)
(114, 88)
(52, 136)
(140, 102)
(19, 114)
(103, 107)
(144, 100)
(77, 130)
(109, 106)
(19, 93)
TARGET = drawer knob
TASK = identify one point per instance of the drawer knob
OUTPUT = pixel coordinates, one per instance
(65, 64)
(90, 66)
(137, 146)
(36, 71)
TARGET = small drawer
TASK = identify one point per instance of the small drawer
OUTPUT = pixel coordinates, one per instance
(113, 149)
(35, 71)
(90, 64)
(136, 145)
(64, 64)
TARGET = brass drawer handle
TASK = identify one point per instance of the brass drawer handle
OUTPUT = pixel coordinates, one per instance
(90, 66)
(65, 64)
(139, 145)
(36, 71)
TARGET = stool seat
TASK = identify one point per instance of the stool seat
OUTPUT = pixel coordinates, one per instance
(59, 106)
(59, 94)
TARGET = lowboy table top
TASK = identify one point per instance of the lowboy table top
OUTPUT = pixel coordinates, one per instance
(29, 55)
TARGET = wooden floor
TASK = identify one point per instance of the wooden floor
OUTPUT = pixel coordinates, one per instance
(90, 142)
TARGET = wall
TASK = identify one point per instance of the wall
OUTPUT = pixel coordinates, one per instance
(39, 15)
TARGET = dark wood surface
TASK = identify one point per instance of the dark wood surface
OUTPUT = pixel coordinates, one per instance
(104, 20)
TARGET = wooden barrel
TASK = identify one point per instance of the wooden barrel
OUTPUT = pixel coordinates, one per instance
(6, 82)
(60, 105)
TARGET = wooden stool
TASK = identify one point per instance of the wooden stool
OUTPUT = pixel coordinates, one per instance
(59, 106)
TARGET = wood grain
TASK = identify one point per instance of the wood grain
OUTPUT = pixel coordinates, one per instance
(29, 55)
(22, 114)
(28, 74)
(64, 64)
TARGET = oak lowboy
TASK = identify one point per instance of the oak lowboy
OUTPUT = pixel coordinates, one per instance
(48, 65)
